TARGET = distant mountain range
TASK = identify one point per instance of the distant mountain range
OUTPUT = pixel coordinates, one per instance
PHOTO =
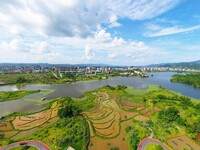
(191, 65)
(50, 65)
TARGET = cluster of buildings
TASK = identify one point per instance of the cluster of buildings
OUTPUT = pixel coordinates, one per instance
(56, 68)
(85, 69)
(162, 69)
(23, 69)
(36, 68)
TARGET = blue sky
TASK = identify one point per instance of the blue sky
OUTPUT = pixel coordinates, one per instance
(121, 32)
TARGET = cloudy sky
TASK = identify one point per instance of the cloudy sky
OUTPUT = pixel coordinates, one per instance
(121, 32)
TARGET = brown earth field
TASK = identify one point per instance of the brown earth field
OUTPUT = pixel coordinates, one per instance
(105, 119)
(5, 126)
(141, 118)
(9, 134)
(97, 143)
(140, 108)
(31, 121)
(130, 105)
(183, 142)
(146, 112)
(20, 126)
(124, 114)
(24, 134)
(106, 129)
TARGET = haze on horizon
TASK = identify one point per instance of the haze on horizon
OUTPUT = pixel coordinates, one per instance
(120, 32)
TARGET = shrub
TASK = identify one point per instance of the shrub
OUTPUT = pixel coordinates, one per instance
(70, 110)
(114, 148)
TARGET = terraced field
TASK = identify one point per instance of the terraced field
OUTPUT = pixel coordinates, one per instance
(105, 121)
(183, 142)
(14, 127)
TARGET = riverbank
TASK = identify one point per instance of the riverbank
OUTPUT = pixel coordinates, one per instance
(76, 90)
(192, 79)
(10, 96)
(49, 78)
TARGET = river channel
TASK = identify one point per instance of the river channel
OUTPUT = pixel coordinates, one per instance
(27, 104)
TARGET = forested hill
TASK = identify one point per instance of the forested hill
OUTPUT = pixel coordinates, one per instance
(191, 65)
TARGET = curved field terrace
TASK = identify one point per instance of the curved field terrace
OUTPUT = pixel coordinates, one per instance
(13, 127)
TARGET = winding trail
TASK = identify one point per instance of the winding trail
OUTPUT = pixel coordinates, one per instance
(144, 142)
(150, 130)
(36, 144)
(152, 133)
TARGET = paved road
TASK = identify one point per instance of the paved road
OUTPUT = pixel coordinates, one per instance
(37, 144)
(146, 141)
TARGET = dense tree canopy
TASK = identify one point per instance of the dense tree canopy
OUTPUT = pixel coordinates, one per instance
(169, 115)
(69, 109)
(191, 79)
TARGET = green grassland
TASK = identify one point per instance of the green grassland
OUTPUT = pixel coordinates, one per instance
(136, 92)
(152, 146)
(9, 96)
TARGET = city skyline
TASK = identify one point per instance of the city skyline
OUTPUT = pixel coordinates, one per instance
(105, 32)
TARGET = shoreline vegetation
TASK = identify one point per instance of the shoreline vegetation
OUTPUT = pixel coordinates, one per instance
(83, 122)
(56, 78)
(190, 79)
(15, 95)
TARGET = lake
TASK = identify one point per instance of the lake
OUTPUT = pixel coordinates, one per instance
(77, 90)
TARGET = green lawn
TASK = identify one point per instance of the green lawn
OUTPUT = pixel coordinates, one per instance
(133, 91)
(8, 96)
(152, 146)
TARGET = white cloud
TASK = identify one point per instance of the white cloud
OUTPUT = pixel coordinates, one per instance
(141, 9)
(155, 30)
(67, 25)
(73, 17)
(103, 36)
(112, 56)
(88, 53)
(112, 49)
(13, 45)
(113, 22)
(42, 47)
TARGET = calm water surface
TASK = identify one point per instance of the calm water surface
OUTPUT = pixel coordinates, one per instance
(77, 90)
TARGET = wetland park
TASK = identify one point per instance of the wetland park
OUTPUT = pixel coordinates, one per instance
(112, 114)
(99, 75)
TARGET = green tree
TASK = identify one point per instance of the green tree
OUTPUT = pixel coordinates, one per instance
(169, 115)
(198, 107)
(133, 139)
(185, 101)
(121, 87)
(69, 109)
(21, 80)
